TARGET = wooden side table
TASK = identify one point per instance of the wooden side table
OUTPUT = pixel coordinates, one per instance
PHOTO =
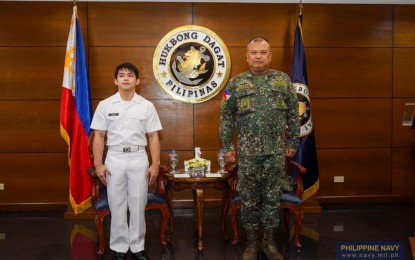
(198, 186)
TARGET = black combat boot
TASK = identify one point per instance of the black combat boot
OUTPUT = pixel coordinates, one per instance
(252, 244)
(269, 246)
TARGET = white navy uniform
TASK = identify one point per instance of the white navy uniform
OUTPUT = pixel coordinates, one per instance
(127, 124)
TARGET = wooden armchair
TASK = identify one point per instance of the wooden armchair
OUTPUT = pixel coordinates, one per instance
(289, 200)
(155, 200)
(292, 200)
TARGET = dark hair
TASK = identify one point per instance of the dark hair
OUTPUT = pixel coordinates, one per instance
(127, 66)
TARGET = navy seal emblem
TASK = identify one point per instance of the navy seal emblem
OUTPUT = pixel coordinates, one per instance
(304, 110)
(191, 64)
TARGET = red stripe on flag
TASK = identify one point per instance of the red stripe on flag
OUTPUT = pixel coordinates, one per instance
(80, 183)
(67, 104)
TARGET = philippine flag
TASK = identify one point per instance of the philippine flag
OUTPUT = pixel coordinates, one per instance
(75, 117)
(226, 94)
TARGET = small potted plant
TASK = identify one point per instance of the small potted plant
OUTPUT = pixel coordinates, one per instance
(196, 167)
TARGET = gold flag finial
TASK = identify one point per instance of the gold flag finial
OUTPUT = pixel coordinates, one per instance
(74, 2)
(301, 7)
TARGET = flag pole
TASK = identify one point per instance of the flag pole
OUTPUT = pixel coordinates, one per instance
(299, 5)
(306, 152)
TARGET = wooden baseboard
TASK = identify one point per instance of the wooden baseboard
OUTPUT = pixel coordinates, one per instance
(365, 199)
(311, 205)
(41, 206)
(87, 214)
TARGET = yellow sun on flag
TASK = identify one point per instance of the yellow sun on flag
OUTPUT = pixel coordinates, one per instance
(301, 108)
(69, 60)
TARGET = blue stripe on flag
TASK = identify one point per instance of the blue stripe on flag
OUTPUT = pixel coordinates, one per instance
(82, 92)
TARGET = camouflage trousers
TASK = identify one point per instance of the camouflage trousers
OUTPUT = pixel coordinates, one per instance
(260, 189)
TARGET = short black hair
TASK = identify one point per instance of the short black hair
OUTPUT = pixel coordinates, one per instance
(127, 66)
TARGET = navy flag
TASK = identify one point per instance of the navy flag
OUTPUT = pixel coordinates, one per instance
(306, 153)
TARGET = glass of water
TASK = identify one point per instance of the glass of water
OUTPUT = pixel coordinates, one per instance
(174, 159)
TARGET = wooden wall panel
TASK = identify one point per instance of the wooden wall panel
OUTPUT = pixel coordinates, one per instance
(360, 71)
(403, 136)
(343, 25)
(103, 62)
(352, 123)
(349, 72)
(365, 171)
(32, 126)
(37, 24)
(403, 72)
(403, 169)
(31, 74)
(34, 178)
(177, 122)
(245, 21)
(207, 125)
(404, 26)
(135, 24)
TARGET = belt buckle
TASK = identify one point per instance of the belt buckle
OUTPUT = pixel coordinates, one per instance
(126, 149)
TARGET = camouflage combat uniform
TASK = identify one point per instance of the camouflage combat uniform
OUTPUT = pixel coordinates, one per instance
(264, 112)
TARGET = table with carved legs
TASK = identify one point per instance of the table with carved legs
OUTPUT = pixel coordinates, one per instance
(198, 185)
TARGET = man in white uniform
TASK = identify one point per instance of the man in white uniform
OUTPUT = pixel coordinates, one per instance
(125, 119)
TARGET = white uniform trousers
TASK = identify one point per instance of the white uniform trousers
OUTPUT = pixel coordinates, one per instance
(127, 188)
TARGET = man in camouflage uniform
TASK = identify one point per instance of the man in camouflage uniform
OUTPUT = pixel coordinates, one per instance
(261, 106)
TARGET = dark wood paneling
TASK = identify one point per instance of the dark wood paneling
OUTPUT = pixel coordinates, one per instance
(34, 178)
(404, 26)
(365, 171)
(349, 72)
(403, 169)
(103, 62)
(135, 24)
(403, 72)
(245, 21)
(352, 123)
(31, 73)
(177, 122)
(207, 125)
(339, 25)
(37, 24)
(32, 126)
(403, 136)
(353, 70)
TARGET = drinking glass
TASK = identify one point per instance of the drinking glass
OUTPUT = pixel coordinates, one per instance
(221, 163)
(173, 162)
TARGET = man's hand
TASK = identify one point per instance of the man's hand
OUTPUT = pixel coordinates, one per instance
(102, 171)
(153, 172)
(290, 153)
(230, 156)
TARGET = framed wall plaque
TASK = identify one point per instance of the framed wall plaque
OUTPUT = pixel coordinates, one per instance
(192, 64)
